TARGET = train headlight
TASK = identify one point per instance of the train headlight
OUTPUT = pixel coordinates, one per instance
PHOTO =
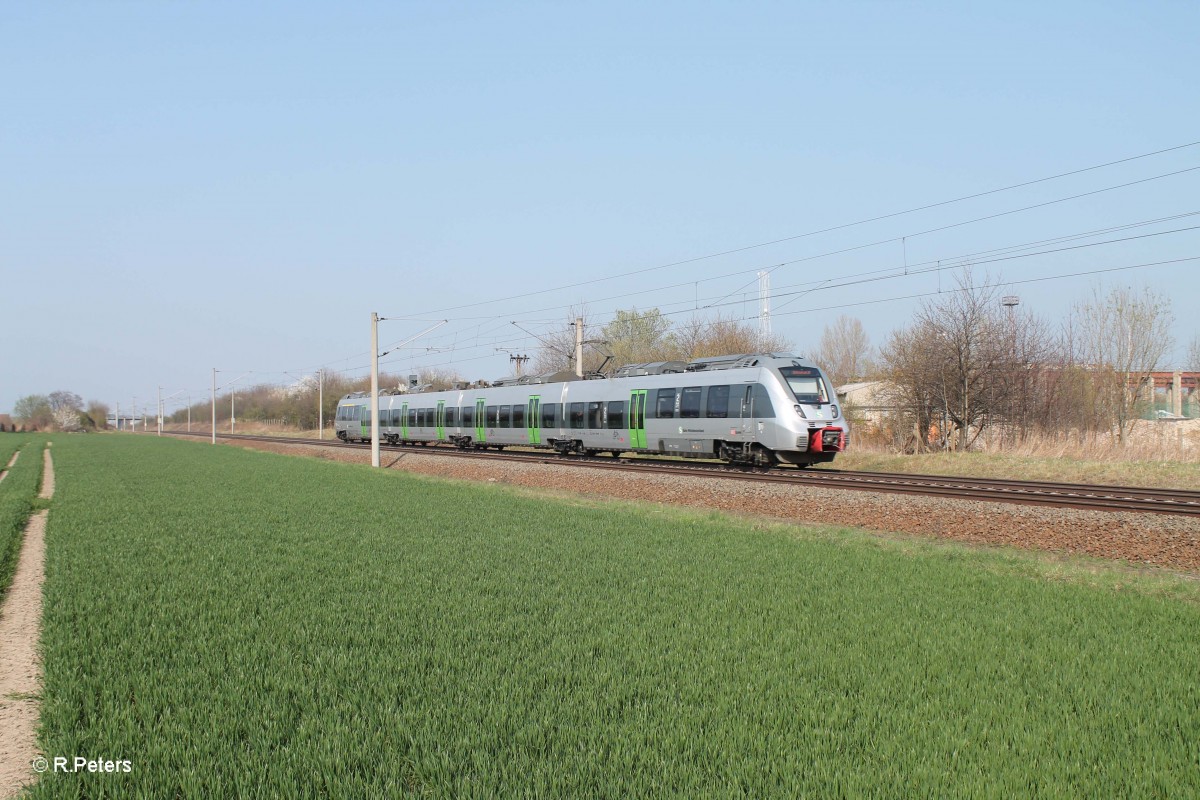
(799, 411)
(835, 411)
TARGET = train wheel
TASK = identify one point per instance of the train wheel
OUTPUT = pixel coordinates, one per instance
(763, 457)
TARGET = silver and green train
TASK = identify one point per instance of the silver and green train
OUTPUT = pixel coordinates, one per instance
(759, 409)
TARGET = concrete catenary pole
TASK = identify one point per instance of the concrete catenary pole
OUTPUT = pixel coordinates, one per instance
(579, 346)
(374, 389)
(160, 411)
(321, 405)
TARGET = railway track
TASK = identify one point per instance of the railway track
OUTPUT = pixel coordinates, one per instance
(1059, 495)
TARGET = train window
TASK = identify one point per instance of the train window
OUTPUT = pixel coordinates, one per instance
(493, 417)
(577, 415)
(468, 416)
(518, 418)
(595, 415)
(664, 408)
(505, 417)
(616, 414)
(718, 402)
(689, 404)
(806, 384)
(450, 417)
(550, 415)
(412, 418)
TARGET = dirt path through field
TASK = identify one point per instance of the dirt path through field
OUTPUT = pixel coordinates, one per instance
(9, 465)
(20, 667)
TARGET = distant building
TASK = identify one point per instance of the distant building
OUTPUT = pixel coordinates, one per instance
(866, 401)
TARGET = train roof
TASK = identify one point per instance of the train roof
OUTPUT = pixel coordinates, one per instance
(709, 364)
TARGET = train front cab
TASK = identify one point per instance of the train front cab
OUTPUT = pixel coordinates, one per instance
(821, 426)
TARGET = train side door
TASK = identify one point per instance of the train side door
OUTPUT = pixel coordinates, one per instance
(637, 419)
(533, 420)
(441, 420)
(404, 420)
(748, 410)
(480, 420)
(364, 417)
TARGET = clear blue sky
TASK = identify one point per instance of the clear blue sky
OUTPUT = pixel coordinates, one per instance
(190, 185)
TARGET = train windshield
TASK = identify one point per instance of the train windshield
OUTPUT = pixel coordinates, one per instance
(806, 384)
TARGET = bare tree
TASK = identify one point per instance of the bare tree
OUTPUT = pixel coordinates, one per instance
(556, 352)
(844, 351)
(702, 337)
(438, 379)
(1193, 355)
(635, 337)
(97, 412)
(913, 367)
(34, 411)
(1121, 339)
(62, 399)
(962, 366)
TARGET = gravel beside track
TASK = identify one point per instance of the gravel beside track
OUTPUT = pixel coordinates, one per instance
(1149, 539)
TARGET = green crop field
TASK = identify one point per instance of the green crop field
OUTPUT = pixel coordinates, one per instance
(18, 491)
(11, 443)
(239, 624)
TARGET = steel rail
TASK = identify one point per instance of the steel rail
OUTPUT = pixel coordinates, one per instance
(1059, 495)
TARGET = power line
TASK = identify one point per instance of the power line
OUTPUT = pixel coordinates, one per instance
(973, 221)
(1062, 276)
(844, 226)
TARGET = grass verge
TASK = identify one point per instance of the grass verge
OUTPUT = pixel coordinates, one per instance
(242, 624)
(1165, 474)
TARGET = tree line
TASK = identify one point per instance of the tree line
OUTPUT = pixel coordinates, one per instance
(965, 366)
(59, 410)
